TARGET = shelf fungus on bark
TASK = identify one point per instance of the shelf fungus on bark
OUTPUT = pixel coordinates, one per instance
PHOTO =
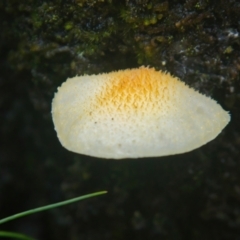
(134, 113)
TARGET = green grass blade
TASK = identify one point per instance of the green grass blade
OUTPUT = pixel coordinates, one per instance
(44, 208)
(14, 235)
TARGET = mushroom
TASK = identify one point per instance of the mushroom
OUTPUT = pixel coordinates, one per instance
(134, 113)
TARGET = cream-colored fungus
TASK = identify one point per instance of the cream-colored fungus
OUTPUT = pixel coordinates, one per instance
(134, 113)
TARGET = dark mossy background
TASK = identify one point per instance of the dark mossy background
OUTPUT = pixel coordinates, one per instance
(190, 196)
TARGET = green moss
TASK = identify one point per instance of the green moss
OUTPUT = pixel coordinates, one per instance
(149, 31)
(228, 50)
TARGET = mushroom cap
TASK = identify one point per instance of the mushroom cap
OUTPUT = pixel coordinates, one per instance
(134, 113)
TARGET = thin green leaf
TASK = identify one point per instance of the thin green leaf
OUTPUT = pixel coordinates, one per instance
(15, 235)
(44, 208)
